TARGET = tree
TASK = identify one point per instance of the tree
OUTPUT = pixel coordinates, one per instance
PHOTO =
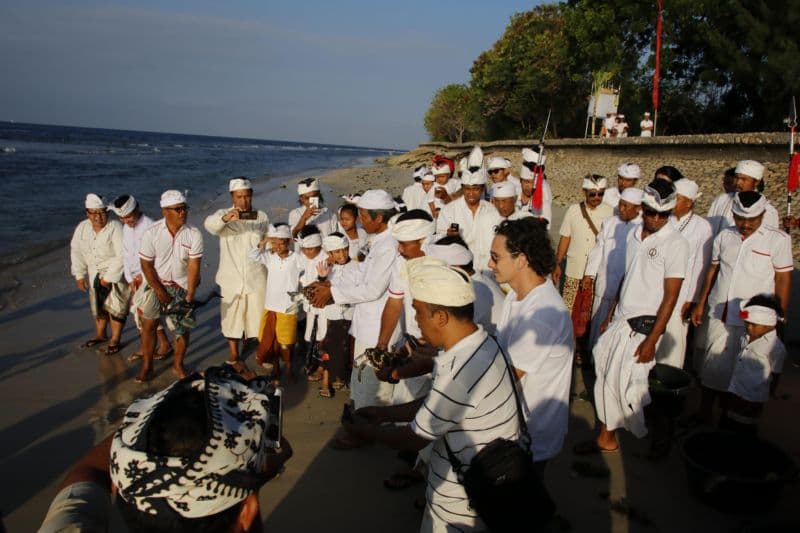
(452, 114)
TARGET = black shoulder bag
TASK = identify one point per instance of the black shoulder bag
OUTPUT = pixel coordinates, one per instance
(501, 482)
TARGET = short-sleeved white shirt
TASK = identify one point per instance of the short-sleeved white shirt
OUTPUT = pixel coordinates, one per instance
(746, 268)
(338, 273)
(398, 289)
(283, 276)
(477, 230)
(415, 197)
(471, 402)
(131, 243)
(581, 236)
(720, 214)
(170, 255)
(661, 255)
(536, 332)
(755, 365)
(325, 220)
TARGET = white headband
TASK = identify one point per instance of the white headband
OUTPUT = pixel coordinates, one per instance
(302, 188)
(473, 178)
(428, 177)
(632, 195)
(755, 209)
(238, 184)
(125, 209)
(453, 254)
(94, 201)
(172, 197)
(282, 231)
(630, 171)
(433, 281)
(750, 168)
(504, 189)
(591, 184)
(414, 229)
(334, 242)
(532, 156)
(376, 199)
(688, 189)
(312, 241)
(758, 314)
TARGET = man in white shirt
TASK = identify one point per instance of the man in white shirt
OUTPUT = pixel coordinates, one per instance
(241, 281)
(535, 195)
(747, 174)
(499, 171)
(96, 265)
(628, 175)
(656, 261)
(536, 331)
(578, 232)
(504, 199)
(646, 125)
(311, 210)
(170, 258)
(471, 401)
(621, 126)
(605, 266)
(748, 259)
(471, 217)
(134, 224)
(697, 232)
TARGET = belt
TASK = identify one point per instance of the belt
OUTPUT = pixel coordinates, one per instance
(642, 324)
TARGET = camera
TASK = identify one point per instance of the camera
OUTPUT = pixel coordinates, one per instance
(248, 215)
(454, 226)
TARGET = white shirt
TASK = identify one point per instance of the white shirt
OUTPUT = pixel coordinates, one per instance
(546, 211)
(746, 268)
(661, 255)
(609, 123)
(536, 332)
(720, 214)
(283, 276)
(755, 364)
(471, 403)
(581, 236)
(477, 230)
(452, 186)
(511, 179)
(236, 274)
(697, 231)
(336, 274)
(398, 289)
(415, 197)
(170, 255)
(325, 220)
(489, 300)
(131, 242)
(97, 253)
(368, 291)
(606, 261)
(647, 127)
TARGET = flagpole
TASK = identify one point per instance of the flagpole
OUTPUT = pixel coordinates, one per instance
(792, 179)
(656, 72)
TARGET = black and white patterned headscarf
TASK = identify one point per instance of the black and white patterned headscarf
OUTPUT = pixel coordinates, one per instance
(230, 468)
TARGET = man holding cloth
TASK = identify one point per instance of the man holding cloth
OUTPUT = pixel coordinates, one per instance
(242, 282)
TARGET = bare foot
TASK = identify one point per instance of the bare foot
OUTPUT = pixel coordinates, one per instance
(145, 375)
(180, 372)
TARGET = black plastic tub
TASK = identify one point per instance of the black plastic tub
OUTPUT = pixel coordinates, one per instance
(668, 389)
(736, 474)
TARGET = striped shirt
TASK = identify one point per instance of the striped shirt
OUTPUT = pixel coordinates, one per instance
(472, 403)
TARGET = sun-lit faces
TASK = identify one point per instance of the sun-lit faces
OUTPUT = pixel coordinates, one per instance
(242, 199)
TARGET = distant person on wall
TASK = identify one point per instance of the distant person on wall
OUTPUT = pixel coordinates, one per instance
(311, 210)
(646, 125)
(621, 127)
(135, 223)
(170, 258)
(96, 265)
(608, 124)
(241, 281)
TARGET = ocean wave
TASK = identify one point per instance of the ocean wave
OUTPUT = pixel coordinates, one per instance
(9, 149)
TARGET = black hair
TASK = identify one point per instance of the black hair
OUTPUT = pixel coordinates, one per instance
(766, 300)
(462, 313)
(455, 239)
(337, 234)
(415, 214)
(671, 172)
(401, 205)
(529, 236)
(385, 214)
(178, 428)
(748, 198)
(350, 208)
(308, 229)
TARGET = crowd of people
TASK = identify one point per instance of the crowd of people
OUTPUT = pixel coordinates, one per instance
(415, 305)
(615, 125)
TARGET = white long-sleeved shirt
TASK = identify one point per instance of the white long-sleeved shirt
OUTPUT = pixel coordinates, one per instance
(415, 197)
(97, 253)
(236, 273)
(131, 242)
(697, 231)
(477, 229)
(283, 276)
(325, 220)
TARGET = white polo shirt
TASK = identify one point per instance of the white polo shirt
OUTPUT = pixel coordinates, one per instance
(97, 253)
(663, 254)
(606, 261)
(477, 230)
(536, 332)
(326, 220)
(169, 254)
(581, 236)
(755, 365)
(472, 403)
(720, 214)
(697, 232)
(283, 276)
(746, 268)
(131, 243)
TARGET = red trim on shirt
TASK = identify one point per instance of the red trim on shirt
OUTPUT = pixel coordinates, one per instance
(762, 253)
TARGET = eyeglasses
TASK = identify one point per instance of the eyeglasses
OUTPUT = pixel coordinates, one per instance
(594, 194)
(179, 209)
(653, 213)
(97, 213)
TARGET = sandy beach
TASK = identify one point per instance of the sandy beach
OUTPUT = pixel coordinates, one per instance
(58, 400)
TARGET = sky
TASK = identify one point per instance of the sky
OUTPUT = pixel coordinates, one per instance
(339, 72)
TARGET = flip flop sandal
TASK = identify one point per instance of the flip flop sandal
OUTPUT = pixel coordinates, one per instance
(112, 349)
(326, 393)
(162, 356)
(314, 377)
(134, 357)
(93, 342)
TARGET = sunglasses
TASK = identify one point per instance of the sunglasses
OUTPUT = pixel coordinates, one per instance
(595, 194)
(494, 170)
(179, 209)
(653, 213)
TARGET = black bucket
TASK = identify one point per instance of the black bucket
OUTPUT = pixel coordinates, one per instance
(736, 474)
(668, 389)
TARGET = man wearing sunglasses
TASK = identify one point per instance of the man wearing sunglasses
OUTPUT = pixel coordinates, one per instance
(656, 259)
(499, 170)
(628, 175)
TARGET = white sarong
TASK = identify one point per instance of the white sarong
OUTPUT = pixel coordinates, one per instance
(672, 347)
(722, 345)
(240, 314)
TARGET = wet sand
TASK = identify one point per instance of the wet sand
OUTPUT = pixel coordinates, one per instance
(59, 399)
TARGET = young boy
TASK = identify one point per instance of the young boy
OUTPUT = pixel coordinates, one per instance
(758, 365)
(309, 241)
(336, 346)
(278, 327)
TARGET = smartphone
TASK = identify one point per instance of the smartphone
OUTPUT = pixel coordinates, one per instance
(454, 226)
(248, 215)
(314, 201)
(275, 426)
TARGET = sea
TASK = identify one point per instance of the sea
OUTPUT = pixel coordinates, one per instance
(46, 172)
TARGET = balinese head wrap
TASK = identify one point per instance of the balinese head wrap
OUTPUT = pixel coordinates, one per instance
(659, 195)
(124, 205)
(688, 189)
(377, 199)
(279, 231)
(750, 168)
(334, 242)
(453, 254)
(632, 195)
(748, 204)
(94, 201)
(630, 171)
(310, 241)
(238, 184)
(504, 189)
(476, 177)
(433, 281)
(172, 197)
(306, 186)
(593, 182)
(759, 314)
(498, 162)
(413, 225)
(532, 156)
(475, 159)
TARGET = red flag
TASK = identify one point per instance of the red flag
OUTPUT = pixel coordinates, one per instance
(536, 201)
(793, 180)
(659, 24)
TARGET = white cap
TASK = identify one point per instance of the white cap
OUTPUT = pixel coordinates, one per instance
(126, 208)
(589, 183)
(433, 281)
(498, 162)
(475, 159)
(750, 168)
(688, 189)
(303, 188)
(281, 231)
(310, 241)
(172, 197)
(453, 254)
(504, 189)
(759, 314)
(632, 195)
(473, 178)
(94, 201)
(376, 199)
(653, 199)
(749, 204)
(630, 171)
(334, 242)
(238, 184)
(532, 156)
(428, 176)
